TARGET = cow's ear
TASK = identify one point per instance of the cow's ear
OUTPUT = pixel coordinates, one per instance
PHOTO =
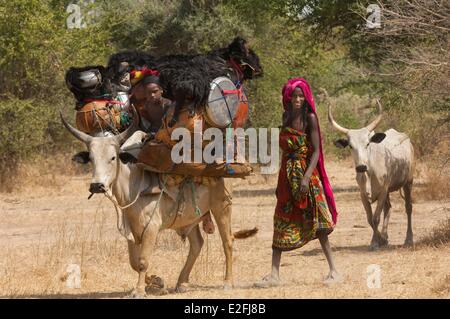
(341, 143)
(377, 138)
(81, 157)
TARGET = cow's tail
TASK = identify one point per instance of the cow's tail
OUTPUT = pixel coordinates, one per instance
(245, 233)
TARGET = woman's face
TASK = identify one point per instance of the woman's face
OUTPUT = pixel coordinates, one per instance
(297, 98)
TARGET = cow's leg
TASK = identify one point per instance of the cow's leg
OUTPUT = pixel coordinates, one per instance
(387, 214)
(368, 209)
(408, 206)
(133, 253)
(223, 220)
(195, 246)
(375, 243)
(147, 246)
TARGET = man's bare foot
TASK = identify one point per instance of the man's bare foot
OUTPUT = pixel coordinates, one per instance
(268, 281)
(333, 277)
(208, 224)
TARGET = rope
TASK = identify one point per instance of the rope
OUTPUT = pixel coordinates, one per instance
(153, 212)
(99, 123)
(226, 103)
(117, 215)
(117, 206)
(198, 211)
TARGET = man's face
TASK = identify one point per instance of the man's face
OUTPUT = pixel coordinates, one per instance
(153, 92)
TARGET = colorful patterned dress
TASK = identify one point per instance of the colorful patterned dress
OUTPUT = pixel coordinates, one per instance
(298, 218)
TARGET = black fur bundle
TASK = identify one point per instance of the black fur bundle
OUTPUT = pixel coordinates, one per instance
(186, 78)
(134, 58)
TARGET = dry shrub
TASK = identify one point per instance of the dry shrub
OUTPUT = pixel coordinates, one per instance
(439, 236)
(46, 171)
(436, 186)
(443, 287)
(89, 244)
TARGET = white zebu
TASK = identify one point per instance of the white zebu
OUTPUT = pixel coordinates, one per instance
(384, 164)
(153, 213)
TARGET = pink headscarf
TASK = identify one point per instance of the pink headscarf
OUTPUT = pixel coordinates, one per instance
(287, 91)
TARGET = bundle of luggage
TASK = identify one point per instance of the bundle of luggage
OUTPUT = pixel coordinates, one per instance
(223, 110)
(207, 88)
(100, 105)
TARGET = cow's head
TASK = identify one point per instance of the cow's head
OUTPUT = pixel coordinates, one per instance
(359, 139)
(103, 153)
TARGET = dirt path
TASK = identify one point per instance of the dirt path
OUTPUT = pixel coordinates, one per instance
(44, 229)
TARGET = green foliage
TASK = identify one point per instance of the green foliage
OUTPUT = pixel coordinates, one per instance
(23, 132)
(319, 40)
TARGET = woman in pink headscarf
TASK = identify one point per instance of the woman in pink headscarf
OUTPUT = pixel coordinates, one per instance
(305, 205)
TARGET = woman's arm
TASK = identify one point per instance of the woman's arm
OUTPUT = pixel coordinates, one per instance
(315, 144)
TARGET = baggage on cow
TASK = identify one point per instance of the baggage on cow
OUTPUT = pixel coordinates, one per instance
(184, 120)
(227, 107)
(100, 106)
(103, 115)
(156, 157)
(88, 83)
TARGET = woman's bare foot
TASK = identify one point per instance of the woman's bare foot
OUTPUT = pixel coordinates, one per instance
(268, 281)
(333, 277)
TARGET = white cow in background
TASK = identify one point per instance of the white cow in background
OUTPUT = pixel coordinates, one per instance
(384, 163)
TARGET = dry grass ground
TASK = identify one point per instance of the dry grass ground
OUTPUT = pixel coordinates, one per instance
(45, 228)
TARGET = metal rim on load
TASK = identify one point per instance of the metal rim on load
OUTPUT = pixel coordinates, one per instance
(221, 108)
(89, 79)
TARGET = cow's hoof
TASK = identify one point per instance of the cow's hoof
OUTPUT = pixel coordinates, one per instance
(374, 246)
(268, 281)
(383, 242)
(408, 244)
(182, 288)
(137, 294)
(332, 278)
(156, 291)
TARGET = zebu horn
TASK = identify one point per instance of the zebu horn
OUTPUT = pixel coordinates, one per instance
(330, 116)
(85, 138)
(122, 137)
(374, 124)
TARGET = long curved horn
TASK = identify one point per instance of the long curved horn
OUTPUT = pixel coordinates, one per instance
(85, 138)
(122, 137)
(330, 116)
(375, 122)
